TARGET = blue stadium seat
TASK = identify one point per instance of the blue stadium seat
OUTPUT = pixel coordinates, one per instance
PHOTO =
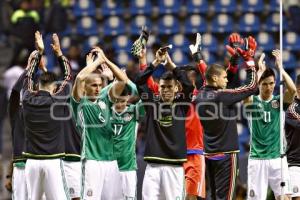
(122, 58)
(273, 22)
(209, 57)
(249, 23)
(209, 42)
(265, 41)
(168, 6)
(90, 42)
(114, 26)
(252, 5)
(289, 59)
(84, 8)
(122, 43)
(140, 7)
(179, 57)
(168, 24)
(195, 23)
(197, 6)
(225, 6)
(65, 43)
(87, 26)
(110, 8)
(291, 41)
(180, 41)
(274, 6)
(222, 23)
(137, 22)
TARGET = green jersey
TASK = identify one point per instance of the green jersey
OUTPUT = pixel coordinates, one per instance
(92, 118)
(124, 128)
(264, 125)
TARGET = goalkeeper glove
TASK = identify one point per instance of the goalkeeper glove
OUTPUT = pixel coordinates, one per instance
(140, 43)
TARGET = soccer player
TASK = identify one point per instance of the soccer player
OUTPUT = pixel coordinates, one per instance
(264, 165)
(216, 108)
(44, 135)
(292, 131)
(124, 125)
(165, 150)
(100, 173)
(17, 172)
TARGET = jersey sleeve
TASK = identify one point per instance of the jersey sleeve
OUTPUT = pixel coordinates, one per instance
(232, 96)
(293, 116)
(65, 86)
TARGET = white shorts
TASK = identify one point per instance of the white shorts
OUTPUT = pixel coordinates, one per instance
(46, 176)
(295, 181)
(73, 173)
(129, 181)
(262, 173)
(18, 183)
(162, 181)
(101, 180)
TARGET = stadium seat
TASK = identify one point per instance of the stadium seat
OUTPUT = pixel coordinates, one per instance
(87, 26)
(197, 6)
(249, 23)
(225, 6)
(65, 43)
(168, 6)
(265, 41)
(140, 7)
(195, 23)
(179, 57)
(252, 6)
(209, 42)
(289, 59)
(122, 43)
(291, 41)
(84, 8)
(222, 23)
(90, 42)
(114, 26)
(273, 22)
(209, 57)
(110, 8)
(122, 58)
(168, 24)
(180, 41)
(274, 6)
(137, 22)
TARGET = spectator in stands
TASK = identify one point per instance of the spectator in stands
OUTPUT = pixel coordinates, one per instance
(25, 22)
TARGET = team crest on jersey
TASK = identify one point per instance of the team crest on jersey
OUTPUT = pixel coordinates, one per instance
(252, 193)
(295, 189)
(102, 105)
(71, 191)
(127, 117)
(275, 104)
(89, 192)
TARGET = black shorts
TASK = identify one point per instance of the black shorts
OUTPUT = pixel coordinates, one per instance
(221, 175)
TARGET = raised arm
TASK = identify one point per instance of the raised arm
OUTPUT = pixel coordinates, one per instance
(181, 76)
(64, 64)
(290, 90)
(231, 96)
(34, 62)
(197, 55)
(78, 88)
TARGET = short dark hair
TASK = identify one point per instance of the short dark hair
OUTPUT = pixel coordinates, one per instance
(168, 76)
(298, 80)
(47, 78)
(126, 91)
(267, 73)
(214, 69)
